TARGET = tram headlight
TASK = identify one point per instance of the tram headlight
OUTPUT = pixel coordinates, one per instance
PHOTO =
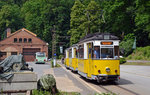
(107, 69)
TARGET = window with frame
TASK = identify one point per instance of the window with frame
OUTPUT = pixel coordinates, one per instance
(13, 53)
(81, 51)
(25, 40)
(96, 52)
(30, 40)
(2, 54)
(107, 53)
(116, 51)
(15, 40)
(20, 40)
(70, 53)
(76, 53)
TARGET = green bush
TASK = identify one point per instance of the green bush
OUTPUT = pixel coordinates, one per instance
(127, 46)
(40, 92)
(122, 60)
(141, 53)
(60, 56)
(52, 63)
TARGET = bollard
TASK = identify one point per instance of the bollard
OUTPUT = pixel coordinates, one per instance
(54, 62)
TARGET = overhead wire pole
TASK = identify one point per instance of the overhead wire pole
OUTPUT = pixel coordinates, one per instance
(53, 42)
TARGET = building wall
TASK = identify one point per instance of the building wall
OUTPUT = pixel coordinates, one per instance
(10, 47)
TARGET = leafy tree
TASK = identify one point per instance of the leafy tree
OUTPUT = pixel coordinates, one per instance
(77, 13)
(41, 16)
(10, 17)
(127, 46)
(142, 21)
(119, 17)
(84, 20)
(92, 18)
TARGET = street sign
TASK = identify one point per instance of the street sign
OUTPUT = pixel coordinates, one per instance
(54, 54)
(61, 49)
(134, 44)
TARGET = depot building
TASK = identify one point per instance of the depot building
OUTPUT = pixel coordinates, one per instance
(22, 42)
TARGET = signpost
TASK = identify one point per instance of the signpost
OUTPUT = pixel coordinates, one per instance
(134, 44)
(54, 60)
(61, 49)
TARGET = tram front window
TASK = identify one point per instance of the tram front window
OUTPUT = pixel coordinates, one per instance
(107, 53)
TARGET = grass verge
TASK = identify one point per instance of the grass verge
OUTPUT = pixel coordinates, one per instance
(52, 65)
(141, 53)
(40, 92)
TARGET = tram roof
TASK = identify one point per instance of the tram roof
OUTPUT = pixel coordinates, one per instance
(74, 45)
(98, 36)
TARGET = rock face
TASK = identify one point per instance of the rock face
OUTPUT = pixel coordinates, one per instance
(47, 82)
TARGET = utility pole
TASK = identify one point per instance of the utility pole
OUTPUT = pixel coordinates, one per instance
(53, 42)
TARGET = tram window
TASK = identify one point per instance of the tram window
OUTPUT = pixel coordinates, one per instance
(81, 51)
(76, 53)
(70, 53)
(96, 52)
(107, 53)
(116, 49)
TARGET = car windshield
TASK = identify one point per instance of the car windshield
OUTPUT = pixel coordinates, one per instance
(40, 54)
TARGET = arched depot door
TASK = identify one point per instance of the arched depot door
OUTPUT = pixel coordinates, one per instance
(29, 53)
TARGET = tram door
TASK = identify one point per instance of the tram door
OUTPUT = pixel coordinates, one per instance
(89, 59)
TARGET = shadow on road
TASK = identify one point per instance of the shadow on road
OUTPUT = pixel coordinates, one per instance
(40, 63)
(120, 82)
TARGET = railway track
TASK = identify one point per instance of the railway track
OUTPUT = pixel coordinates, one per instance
(110, 88)
(104, 87)
(117, 90)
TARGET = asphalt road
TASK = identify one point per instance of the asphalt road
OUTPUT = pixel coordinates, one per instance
(135, 80)
(39, 68)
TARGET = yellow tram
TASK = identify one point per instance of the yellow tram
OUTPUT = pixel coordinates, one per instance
(98, 57)
(72, 61)
(67, 58)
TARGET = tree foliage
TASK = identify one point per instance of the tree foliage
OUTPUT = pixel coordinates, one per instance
(75, 21)
(142, 22)
(125, 18)
(10, 17)
(84, 20)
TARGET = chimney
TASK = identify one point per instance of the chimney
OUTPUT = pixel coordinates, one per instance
(8, 32)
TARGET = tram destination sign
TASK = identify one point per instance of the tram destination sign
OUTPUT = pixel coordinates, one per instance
(106, 43)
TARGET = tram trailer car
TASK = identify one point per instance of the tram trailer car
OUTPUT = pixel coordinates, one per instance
(99, 57)
(67, 58)
(72, 58)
